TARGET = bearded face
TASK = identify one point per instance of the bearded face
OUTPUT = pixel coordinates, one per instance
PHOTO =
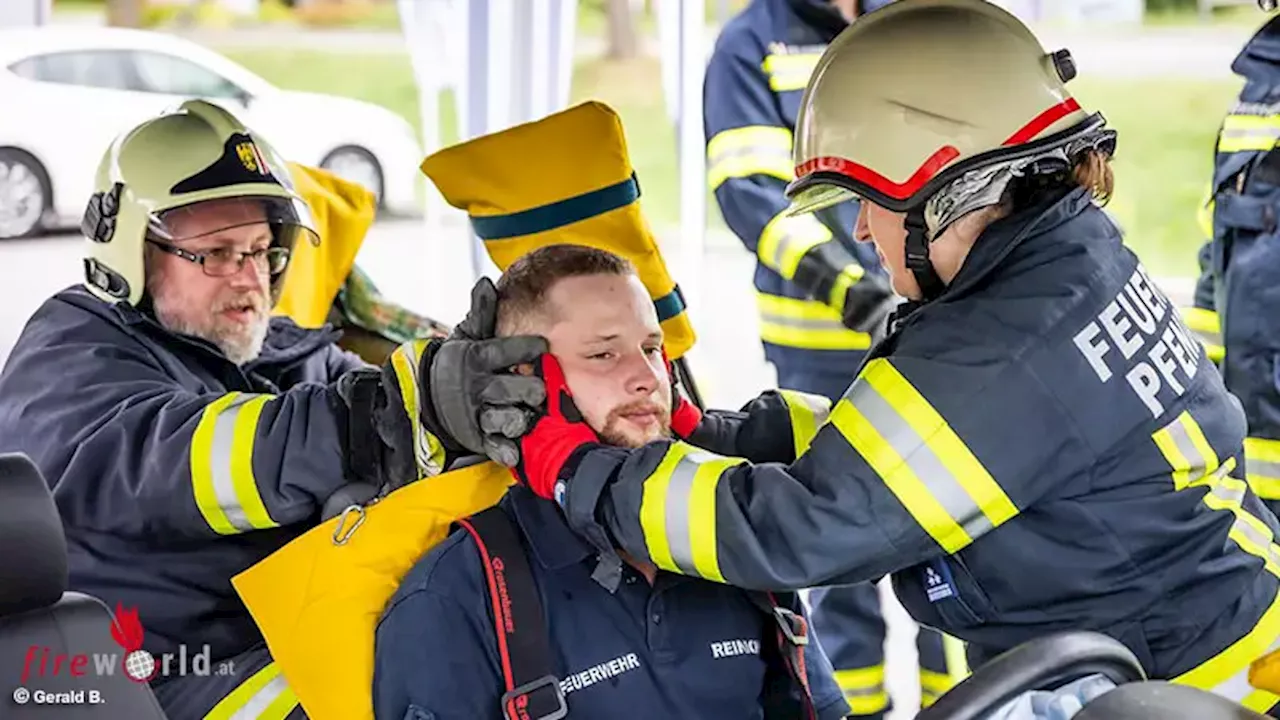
(226, 305)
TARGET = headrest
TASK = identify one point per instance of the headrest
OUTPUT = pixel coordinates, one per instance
(33, 566)
(564, 179)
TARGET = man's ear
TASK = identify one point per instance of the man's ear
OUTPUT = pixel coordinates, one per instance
(524, 369)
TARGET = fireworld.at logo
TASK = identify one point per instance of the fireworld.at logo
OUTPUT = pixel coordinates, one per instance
(137, 664)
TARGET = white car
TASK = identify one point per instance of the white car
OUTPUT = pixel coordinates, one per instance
(66, 92)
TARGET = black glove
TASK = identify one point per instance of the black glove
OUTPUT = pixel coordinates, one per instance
(477, 403)
(868, 304)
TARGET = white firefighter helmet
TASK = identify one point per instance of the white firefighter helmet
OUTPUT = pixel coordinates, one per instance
(196, 153)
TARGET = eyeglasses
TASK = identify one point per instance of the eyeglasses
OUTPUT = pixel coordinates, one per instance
(223, 262)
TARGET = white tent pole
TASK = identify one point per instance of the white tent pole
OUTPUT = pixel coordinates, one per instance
(692, 153)
(425, 24)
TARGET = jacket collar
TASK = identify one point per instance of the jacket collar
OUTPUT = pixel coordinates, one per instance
(998, 241)
(554, 545)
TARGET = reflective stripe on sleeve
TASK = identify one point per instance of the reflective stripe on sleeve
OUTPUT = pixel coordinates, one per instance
(807, 324)
(1262, 467)
(808, 413)
(746, 151)
(1249, 133)
(264, 696)
(678, 511)
(1194, 464)
(933, 685)
(920, 458)
(785, 240)
(1207, 327)
(863, 689)
(788, 72)
(222, 478)
(427, 449)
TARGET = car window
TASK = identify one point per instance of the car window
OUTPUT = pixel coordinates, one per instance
(160, 73)
(90, 68)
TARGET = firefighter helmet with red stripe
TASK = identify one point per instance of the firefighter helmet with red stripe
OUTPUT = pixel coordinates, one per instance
(912, 95)
(935, 100)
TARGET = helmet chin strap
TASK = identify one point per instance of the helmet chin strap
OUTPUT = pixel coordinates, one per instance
(917, 253)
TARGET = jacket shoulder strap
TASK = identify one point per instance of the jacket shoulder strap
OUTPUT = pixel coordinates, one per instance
(532, 689)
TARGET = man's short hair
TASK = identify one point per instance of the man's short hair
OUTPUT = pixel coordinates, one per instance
(523, 288)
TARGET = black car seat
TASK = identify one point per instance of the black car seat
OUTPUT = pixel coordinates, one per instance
(1046, 662)
(40, 619)
(1159, 700)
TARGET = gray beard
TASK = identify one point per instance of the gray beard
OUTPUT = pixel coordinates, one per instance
(239, 349)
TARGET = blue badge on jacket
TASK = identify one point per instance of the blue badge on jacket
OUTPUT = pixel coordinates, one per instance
(937, 580)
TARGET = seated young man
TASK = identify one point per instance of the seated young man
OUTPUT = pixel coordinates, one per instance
(658, 645)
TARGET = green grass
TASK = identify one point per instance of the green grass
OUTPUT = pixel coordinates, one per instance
(1162, 162)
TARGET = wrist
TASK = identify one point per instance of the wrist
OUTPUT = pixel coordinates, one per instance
(426, 401)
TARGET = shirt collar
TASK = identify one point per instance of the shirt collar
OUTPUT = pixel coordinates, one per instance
(554, 544)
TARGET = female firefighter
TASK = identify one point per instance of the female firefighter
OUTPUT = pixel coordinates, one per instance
(1037, 445)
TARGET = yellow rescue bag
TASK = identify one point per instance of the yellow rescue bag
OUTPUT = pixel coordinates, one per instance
(317, 602)
(1264, 673)
(564, 179)
(344, 211)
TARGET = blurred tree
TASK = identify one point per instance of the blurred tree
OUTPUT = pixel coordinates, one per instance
(623, 40)
(125, 13)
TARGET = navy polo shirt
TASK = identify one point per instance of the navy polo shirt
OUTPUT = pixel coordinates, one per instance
(681, 648)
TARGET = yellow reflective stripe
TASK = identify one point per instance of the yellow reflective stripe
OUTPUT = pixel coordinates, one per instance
(863, 689)
(808, 413)
(785, 240)
(678, 511)
(264, 696)
(848, 277)
(1227, 673)
(221, 459)
(752, 150)
(806, 324)
(789, 72)
(1243, 133)
(1262, 467)
(1196, 465)
(920, 458)
(1204, 216)
(1207, 327)
(427, 449)
(935, 683)
(957, 661)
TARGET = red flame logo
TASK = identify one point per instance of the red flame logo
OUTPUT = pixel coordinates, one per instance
(126, 629)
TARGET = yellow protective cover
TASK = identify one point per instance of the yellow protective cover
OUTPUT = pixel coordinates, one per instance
(344, 211)
(1264, 673)
(531, 174)
(317, 603)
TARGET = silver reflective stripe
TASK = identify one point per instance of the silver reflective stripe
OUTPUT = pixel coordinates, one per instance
(926, 465)
(1262, 468)
(753, 152)
(679, 492)
(801, 323)
(816, 404)
(1199, 463)
(1236, 688)
(1232, 496)
(220, 463)
(261, 700)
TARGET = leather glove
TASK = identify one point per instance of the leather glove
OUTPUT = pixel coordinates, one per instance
(867, 306)
(476, 403)
(557, 435)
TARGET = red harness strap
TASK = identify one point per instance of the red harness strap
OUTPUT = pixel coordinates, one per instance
(533, 690)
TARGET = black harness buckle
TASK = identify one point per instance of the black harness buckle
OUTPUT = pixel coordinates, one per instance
(516, 702)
